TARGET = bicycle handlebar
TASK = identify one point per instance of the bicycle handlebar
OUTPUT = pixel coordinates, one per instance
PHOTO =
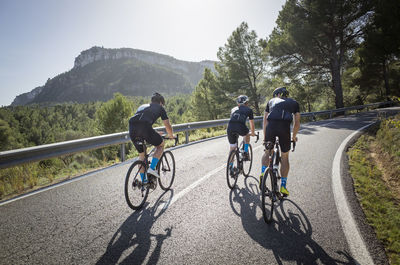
(176, 138)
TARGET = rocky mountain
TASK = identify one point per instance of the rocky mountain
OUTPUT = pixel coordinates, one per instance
(98, 73)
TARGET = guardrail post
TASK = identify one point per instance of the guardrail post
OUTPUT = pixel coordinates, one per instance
(330, 115)
(187, 134)
(122, 152)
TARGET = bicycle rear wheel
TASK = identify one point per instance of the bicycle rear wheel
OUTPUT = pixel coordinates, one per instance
(268, 197)
(232, 172)
(247, 163)
(166, 170)
(135, 193)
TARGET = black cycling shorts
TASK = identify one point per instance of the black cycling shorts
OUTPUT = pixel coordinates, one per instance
(280, 129)
(145, 131)
(236, 128)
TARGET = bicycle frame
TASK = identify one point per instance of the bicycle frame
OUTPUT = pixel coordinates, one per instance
(146, 160)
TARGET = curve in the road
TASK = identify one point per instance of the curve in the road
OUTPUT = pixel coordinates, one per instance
(357, 246)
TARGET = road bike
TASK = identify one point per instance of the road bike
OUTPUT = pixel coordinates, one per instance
(136, 192)
(269, 185)
(238, 162)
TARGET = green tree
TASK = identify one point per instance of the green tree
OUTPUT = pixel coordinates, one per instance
(6, 137)
(380, 52)
(209, 101)
(242, 64)
(113, 115)
(317, 37)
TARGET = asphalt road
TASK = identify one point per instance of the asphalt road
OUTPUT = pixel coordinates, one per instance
(199, 221)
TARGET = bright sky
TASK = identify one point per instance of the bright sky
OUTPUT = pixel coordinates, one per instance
(40, 39)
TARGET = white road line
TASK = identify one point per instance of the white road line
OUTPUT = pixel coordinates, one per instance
(357, 245)
(182, 193)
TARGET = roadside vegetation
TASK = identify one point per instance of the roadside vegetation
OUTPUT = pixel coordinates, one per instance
(375, 167)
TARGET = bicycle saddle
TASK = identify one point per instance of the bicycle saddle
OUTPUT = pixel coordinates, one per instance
(269, 145)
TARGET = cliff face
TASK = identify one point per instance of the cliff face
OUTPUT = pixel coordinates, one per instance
(25, 98)
(98, 73)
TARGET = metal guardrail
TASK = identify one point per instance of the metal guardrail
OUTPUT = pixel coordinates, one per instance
(31, 154)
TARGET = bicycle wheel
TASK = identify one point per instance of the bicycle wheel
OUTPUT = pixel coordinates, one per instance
(268, 197)
(166, 170)
(247, 163)
(135, 193)
(232, 172)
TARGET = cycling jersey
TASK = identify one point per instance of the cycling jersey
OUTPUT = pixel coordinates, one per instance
(239, 114)
(237, 123)
(282, 109)
(140, 125)
(149, 113)
(280, 115)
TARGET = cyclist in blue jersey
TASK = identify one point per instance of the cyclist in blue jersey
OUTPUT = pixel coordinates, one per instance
(140, 126)
(278, 116)
(237, 124)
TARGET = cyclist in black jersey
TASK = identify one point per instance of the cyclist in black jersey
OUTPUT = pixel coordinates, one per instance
(140, 125)
(237, 124)
(278, 116)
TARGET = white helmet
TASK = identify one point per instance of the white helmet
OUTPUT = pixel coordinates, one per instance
(242, 99)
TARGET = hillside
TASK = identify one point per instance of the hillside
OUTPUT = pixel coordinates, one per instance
(98, 73)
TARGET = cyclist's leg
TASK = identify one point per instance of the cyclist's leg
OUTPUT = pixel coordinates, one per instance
(155, 139)
(268, 137)
(231, 139)
(136, 130)
(284, 141)
(244, 131)
(246, 139)
(285, 164)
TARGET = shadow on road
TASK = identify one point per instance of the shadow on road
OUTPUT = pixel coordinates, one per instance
(131, 243)
(289, 237)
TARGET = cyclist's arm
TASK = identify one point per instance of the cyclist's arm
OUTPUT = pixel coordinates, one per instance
(168, 128)
(252, 128)
(265, 123)
(296, 126)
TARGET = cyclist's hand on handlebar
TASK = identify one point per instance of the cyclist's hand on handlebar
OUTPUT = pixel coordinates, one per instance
(253, 134)
(294, 139)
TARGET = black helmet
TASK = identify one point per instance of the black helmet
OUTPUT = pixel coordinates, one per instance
(281, 90)
(157, 98)
(242, 99)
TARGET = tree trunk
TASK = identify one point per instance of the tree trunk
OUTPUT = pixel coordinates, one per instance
(386, 79)
(253, 91)
(337, 83)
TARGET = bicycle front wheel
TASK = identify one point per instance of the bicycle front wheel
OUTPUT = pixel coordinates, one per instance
(268, 197)
(135, 193)
(166, 170)
(248, 162)
(232, 169)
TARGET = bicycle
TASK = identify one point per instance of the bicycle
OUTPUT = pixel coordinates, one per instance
(136, 192)
(270, 191)
(240, 163)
